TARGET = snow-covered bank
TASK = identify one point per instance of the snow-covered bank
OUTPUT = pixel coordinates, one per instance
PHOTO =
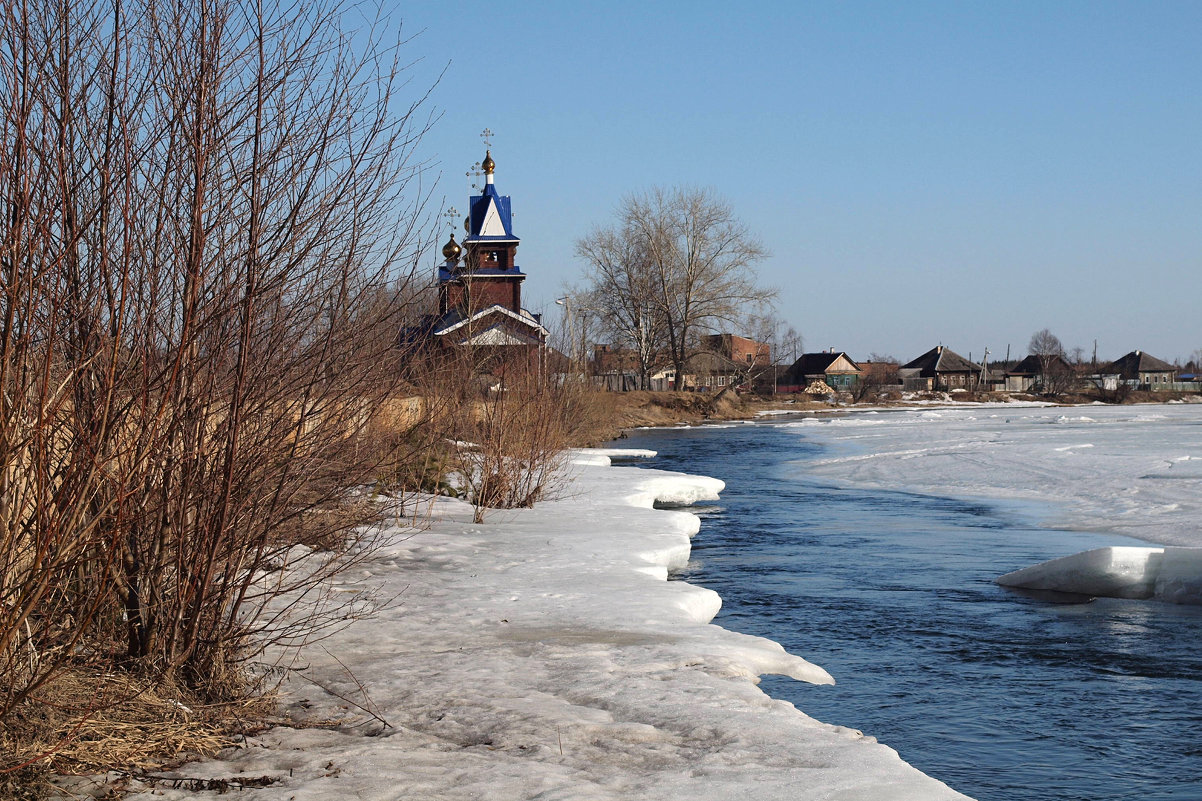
(543, 655)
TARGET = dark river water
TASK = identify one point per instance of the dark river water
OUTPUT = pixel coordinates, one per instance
(1001, 696)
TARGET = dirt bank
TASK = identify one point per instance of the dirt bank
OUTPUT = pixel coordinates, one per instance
(625, 410)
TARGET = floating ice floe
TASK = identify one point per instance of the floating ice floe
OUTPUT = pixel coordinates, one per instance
(1167, 574)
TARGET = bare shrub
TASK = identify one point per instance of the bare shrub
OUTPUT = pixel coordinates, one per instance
(508, 424)
(519, 435)
(210, 214)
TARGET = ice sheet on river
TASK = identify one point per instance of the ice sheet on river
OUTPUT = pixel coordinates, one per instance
(1167, 574)
(544, 655)
(1134, 470)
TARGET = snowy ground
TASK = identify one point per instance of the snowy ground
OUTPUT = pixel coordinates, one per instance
(543, 655)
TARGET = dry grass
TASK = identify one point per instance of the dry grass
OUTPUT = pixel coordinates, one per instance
(86, 723)
(620, 410)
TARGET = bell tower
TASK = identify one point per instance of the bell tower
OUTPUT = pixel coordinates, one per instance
(480, 283)
(483, 271)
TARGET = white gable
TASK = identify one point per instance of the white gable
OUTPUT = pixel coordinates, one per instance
(495, 336)
(492, 225)
(524, 318)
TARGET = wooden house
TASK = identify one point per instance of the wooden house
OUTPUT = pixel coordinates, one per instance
(1040, 373)
(940, 368)
(1142, 370)
(707, 371)
(835, 369)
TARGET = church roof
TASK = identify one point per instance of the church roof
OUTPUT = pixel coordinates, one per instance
(454, 320)
(500, 335)
(445, 275)
(491, 219)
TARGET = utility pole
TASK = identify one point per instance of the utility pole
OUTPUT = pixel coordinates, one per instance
(566, 302)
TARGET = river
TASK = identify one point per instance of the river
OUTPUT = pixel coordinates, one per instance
(1002, 696)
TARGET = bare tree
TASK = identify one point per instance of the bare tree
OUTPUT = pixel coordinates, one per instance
(1047, 346)
(783, 340)
(1056, 375)
(1045, 343)
(623, 294)
(683, 263)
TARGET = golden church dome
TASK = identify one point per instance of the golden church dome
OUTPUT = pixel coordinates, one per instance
(489, 165)
(451, 249)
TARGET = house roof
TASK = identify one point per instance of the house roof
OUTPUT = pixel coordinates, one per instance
(1033, 364)
(815, 364)
(710, 362)
(1136, 362)
(941, 359)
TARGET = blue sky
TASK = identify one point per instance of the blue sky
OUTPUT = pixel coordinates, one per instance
(964, 173)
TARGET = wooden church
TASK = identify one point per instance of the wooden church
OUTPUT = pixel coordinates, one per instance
(480, 290)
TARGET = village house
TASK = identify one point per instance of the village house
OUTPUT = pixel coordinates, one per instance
(615, 368)
(1142, 370)
(942, 369)
(879, 373)
(727, 360)
(835, 369)
(1040, 373)
(706, 371)
(724, 360)
(739, 349)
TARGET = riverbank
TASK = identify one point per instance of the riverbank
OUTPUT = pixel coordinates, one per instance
(544, 654)
(622, 411)
(615, 412)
